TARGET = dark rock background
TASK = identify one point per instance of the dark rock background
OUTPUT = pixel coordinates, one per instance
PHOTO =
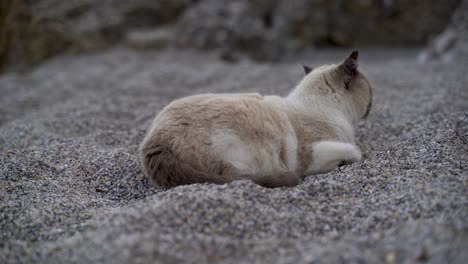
(34, 30)
(451, 44)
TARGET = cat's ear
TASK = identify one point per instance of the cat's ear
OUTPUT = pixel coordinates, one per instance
(350, 65)
(307, 69)
(349, 68)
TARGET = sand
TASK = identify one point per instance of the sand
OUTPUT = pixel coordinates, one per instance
(72, 189)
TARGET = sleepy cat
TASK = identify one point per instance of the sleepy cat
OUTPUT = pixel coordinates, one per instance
(271, 140)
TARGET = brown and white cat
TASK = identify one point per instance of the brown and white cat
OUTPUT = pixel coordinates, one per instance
(271, 140)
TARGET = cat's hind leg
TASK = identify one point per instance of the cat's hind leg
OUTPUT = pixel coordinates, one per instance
(327, 155)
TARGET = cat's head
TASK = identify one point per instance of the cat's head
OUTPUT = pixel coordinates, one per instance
(341, 84)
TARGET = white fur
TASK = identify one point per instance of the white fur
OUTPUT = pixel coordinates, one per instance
(314, 107)
(291, 153)
(249, 159)
(328, 154)
(233, 150)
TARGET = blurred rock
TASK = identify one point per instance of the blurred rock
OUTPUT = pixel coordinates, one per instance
(31, 31)
(452, 43)
(25, 38)
(270, 29)
(242, 26)
(440, 47)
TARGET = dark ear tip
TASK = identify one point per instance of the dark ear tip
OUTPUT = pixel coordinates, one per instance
(354, 55)
(307, 69)
(350, 64)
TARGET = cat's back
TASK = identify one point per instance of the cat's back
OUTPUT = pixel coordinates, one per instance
(210, 112)
(205, 105)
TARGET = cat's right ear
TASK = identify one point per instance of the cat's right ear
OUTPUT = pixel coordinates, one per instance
(350, 65)
(307, 69)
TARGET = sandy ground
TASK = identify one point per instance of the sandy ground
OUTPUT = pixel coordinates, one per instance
(72, 190)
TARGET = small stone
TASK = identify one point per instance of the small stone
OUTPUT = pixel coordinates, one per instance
(376, 236)
(390, 258)
(149, 39)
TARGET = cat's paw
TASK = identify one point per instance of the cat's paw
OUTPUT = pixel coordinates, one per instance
(352, 155)
(328, 155)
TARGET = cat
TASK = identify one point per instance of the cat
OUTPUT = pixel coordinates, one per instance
(273, 141)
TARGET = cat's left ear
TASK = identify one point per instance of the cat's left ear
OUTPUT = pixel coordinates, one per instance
(307, 69)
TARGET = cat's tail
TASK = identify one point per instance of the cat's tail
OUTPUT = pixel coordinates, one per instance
(167, 170)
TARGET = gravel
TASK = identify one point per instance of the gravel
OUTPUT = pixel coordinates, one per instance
(72, 190)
